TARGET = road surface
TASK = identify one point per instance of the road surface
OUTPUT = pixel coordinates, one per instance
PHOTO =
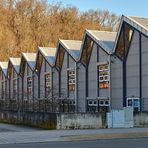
(120, 143)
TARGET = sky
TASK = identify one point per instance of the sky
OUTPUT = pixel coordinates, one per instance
(126, 7)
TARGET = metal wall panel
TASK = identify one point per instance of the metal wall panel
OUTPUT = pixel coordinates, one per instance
(144, 44)
(81, 88)
(116, 83)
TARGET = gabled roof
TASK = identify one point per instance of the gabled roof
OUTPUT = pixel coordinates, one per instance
(4, 66)
(104, 39)
(30, 59)
(140, 23)
(16, 63)
(48, 53)
(73, 47)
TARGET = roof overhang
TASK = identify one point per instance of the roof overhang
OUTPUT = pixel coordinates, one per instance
(132, 23)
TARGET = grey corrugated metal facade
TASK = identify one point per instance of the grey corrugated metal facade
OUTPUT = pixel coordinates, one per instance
(105, 69)
(69, 50)
(130, 65)
(13, 78)
(44, 66)
(27, 72)
(3, 82)
(96, 49)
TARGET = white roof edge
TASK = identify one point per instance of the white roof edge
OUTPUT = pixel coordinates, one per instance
(63, 43)
(118, 33)
(133, 23)
(101, 31)
(130, 18)
(100, 42)
(11, 58)
(66, 47)
(52, 64)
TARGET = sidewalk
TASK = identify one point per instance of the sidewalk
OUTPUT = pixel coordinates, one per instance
(28, 135)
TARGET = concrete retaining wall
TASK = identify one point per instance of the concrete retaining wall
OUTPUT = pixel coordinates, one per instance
(141, 119)
(55, 120)
(80, 121)
(65, 120)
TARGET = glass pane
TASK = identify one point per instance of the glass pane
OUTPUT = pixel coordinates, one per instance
(89, 102)
(101, 102)
(136, 103)
(130, 103)
(87, 46)
(120, 47)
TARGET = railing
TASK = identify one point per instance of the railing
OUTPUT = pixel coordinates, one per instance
(38, 105)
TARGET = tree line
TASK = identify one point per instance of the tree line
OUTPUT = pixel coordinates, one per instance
(27, 24)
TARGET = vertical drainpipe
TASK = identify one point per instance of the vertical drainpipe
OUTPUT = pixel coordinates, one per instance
(140, 71)
(86, 77)
(38, 84)
(33, 75)
(124, 68)
(52, 88)
(76, 87)
(110, 104)
(67, 75)
(98, 93)
(6, 99)
(9, 91)
(59, 71)
(18, 92)
(22, 93)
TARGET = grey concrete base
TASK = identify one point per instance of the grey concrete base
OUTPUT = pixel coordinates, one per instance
(55, 120)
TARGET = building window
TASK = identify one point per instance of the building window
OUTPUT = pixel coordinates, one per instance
(103, 102)
(14, 88)
(60, 57)
(103, 74)
(29, 86)
(122, 48)
(92, 105)
(88, 45)
(104, 105)
(71, 80)
(47, 84)
(134, 102)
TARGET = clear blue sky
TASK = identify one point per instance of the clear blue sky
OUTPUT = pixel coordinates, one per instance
(126, 7)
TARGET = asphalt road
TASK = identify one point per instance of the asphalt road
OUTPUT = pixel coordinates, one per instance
(120, 143)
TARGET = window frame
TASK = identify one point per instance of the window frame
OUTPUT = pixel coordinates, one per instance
(29, 86)
(132, 101)
(103, 76)
(71, 79)
(47, 81)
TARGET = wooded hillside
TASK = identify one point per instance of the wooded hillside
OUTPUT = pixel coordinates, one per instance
(27, 24)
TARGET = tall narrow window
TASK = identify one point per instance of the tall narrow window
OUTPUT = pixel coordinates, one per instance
(103, 75)
(29, 86)
(47, 84)
(60, 57)
(124, 40)
(71, 80)
(86, 53)
(14, 88)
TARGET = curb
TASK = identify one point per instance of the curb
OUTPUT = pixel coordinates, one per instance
(105, 136)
